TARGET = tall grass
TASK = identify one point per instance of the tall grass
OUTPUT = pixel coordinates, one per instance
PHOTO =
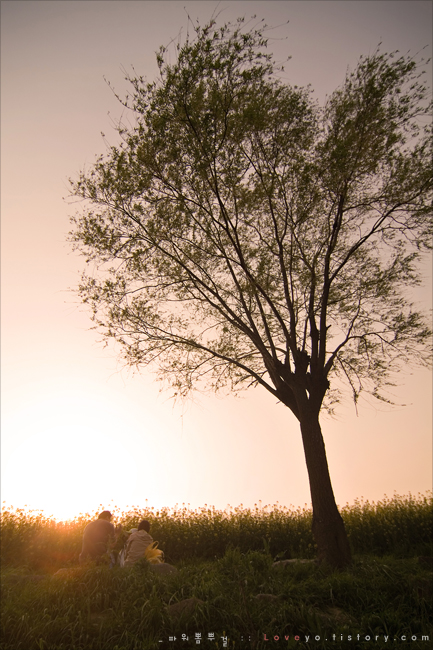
(401, 525)
(225, 562)
(239, 596)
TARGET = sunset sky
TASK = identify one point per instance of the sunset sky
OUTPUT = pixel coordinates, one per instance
(78, 429)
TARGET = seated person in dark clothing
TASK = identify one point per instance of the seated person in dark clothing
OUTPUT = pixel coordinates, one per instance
(96, 537)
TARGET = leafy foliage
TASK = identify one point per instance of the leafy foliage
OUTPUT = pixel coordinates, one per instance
(241, 234)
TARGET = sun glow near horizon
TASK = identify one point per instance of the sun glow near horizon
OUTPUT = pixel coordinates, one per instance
(61, 484)
(70, 451)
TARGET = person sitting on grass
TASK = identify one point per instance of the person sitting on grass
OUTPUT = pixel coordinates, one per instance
(97, 537)
(137, 544)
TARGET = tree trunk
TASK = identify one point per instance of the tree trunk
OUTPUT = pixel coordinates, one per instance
(328, 527)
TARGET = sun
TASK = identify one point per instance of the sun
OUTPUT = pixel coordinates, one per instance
(67, 472)
(72, 451)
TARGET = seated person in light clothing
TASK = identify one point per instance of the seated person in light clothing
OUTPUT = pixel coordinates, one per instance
(137, 543)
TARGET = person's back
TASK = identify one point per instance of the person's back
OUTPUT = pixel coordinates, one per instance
(96, 536)
(137, 544)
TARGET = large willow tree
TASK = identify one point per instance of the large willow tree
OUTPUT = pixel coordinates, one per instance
(242, 235)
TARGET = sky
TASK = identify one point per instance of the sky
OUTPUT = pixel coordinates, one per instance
(78, 430)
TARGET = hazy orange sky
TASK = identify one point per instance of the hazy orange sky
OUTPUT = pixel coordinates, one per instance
(77, 429)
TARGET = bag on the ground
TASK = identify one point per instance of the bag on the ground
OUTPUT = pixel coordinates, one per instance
(153, 554)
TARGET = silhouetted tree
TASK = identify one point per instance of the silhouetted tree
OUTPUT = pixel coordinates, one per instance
(240, 234)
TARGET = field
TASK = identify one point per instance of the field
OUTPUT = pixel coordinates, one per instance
(228, 591)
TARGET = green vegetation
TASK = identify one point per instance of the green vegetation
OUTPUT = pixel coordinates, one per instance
(225, 561)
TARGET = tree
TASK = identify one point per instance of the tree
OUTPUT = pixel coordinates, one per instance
(242, 235)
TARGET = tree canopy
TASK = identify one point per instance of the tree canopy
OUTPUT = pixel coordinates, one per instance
(243, 225)
(241, 234)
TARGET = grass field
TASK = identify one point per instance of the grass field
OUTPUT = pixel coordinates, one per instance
(226, 582)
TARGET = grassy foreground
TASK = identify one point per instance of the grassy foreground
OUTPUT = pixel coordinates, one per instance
(226, 583)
